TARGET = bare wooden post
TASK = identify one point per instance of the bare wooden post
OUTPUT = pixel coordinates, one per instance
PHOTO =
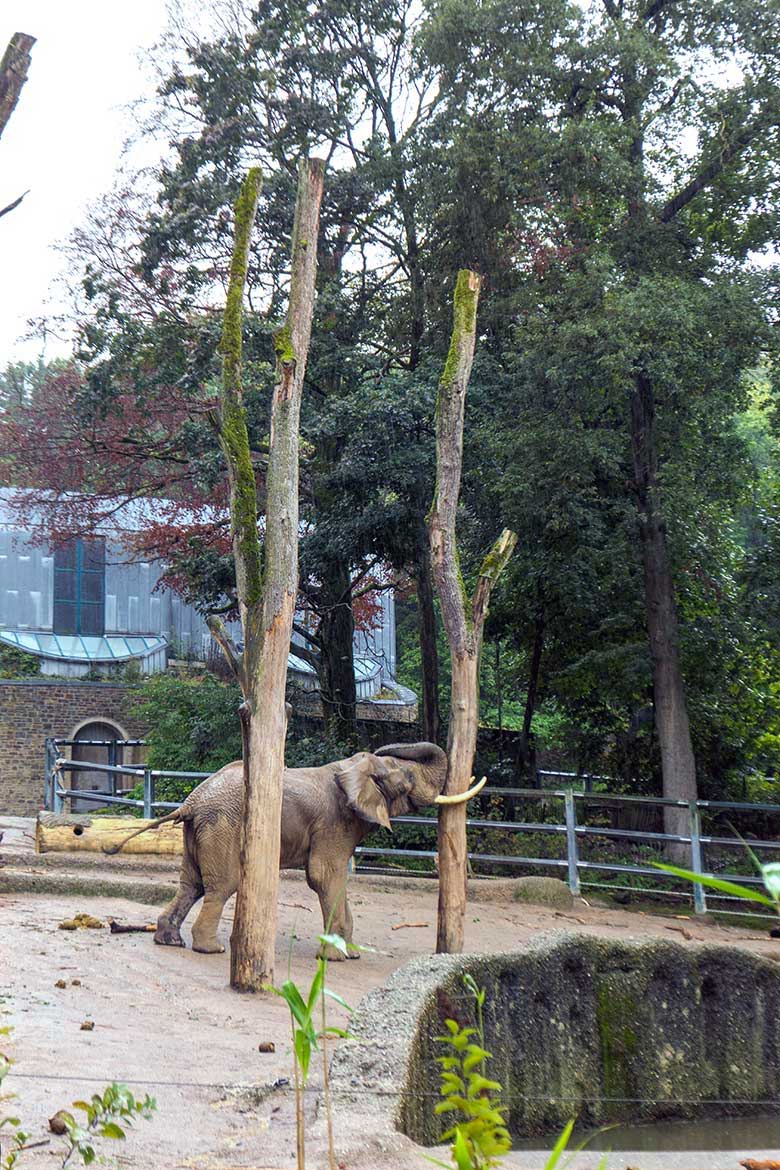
(266, 586)
(14, 67)
(464, 617)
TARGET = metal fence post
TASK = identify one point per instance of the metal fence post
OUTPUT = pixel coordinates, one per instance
(48, 785)
(694, 820)
(571, 842)
(148, 793)
(112, 764)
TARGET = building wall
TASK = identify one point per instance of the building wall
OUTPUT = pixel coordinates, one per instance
(31, 710)
(133, 605)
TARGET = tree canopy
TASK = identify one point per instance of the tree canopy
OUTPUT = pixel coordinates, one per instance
(612, 172)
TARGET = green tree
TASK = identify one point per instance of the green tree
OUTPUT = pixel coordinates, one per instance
(626, 250)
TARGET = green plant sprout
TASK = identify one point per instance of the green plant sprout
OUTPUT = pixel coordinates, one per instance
(480, 1136)
(308, 1037)
(102, 1115)
(562, 1146)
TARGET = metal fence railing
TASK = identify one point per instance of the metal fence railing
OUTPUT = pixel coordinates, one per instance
(575, 828)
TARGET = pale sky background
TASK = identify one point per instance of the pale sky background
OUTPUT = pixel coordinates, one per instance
(65, 138)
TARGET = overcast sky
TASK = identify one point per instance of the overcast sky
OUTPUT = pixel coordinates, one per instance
(65, 138)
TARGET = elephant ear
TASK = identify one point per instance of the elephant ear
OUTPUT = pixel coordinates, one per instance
(363, 794)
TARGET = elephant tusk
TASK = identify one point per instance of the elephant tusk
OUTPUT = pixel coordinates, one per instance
(459, 797)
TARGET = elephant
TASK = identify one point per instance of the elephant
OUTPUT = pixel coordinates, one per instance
(326, 813)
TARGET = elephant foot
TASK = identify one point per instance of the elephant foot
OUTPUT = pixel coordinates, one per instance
(165, 937)
(208, 947)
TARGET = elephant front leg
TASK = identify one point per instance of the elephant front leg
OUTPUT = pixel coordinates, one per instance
(204, 932)
(330, 887)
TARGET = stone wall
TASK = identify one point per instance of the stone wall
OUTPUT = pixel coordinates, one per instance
(602, 1030)
(31, 710)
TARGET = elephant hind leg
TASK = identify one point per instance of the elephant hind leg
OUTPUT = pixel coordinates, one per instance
(167, 933)
(190, 889)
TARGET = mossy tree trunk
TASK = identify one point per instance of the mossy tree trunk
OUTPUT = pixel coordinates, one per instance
(463, 616)
(267, 583)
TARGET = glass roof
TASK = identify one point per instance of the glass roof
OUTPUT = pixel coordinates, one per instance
(120, 647)
(364, 667)
(78, 648)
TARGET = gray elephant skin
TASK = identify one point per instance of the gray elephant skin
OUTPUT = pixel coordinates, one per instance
(326, 813)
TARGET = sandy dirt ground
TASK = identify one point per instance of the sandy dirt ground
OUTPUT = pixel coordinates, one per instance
(167, 1024)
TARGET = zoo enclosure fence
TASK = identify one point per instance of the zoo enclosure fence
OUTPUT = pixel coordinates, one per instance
(574, 829)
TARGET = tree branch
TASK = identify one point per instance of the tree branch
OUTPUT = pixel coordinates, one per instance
(307, 634)
(712, 169)
(307, 656)
(228, 647)
(12, 206)
(492, 567)
(653, 9)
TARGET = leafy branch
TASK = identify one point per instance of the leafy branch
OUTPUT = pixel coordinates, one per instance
(102, 1116)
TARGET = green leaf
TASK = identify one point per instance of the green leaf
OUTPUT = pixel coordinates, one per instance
(479, 1085)
(461, 1153)
(559, 1146)
(335, 941)
(112, 1130)
(316, 987)
(479, 993)
(718, 884)
(303, 1052)
(473, 1057)
(771, 875)
(334, 995)
(294, 1000)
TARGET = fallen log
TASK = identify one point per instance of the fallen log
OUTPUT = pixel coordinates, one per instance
(82, 833)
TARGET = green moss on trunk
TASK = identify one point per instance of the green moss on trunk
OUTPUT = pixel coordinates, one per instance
(464, 321)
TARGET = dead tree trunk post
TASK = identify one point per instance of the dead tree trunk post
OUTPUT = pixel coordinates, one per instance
(267, 584)
(464, 617)
(14, 67)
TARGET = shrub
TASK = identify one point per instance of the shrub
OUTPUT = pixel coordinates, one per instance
(17, 664)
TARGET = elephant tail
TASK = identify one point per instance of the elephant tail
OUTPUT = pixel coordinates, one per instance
(172, 817)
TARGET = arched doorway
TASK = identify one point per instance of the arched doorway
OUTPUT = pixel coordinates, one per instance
(88, 781)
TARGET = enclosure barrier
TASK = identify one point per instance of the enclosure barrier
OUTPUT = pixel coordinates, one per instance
(576, 871)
